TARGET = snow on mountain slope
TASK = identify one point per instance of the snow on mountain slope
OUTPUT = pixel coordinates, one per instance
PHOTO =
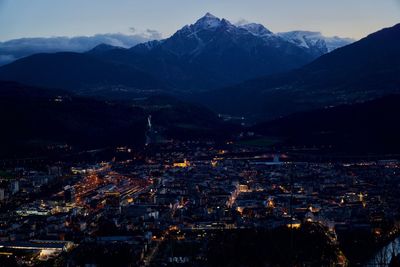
(308, 39)
(192, 38)
(208, 21)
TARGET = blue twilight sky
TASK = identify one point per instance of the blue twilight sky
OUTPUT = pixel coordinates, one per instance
(43, 18)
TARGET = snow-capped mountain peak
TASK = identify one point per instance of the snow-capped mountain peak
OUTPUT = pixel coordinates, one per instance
(209, 16)
(210, 32)
(208, 21)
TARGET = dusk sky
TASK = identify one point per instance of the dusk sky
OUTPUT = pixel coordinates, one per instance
(44, 18)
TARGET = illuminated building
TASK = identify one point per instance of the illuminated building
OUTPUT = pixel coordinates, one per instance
(183, 164)
(271, 203)
(46, 247)
(243, 188)
(294, 225)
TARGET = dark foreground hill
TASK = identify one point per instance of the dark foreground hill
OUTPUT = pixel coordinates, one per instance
(37, 120)
(372, 126)
(34, 118)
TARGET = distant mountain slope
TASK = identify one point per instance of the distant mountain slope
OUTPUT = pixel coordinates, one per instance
(361, 71)
(77, 72)
(372, 126)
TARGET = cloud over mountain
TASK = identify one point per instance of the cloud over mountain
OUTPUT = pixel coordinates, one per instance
(17, 48)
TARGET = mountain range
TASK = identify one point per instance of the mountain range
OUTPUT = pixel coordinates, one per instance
(213, 52)
(208, 54)
(14, 49)
(361, 71)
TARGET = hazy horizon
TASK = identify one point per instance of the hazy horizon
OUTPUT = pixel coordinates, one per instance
(159, 19)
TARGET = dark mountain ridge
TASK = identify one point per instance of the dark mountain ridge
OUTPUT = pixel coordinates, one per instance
(372, 126)
(77, 72)
(364, 70)
(34, 119)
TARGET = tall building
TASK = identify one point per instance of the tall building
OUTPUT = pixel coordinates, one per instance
(14, 186)
(69, 194)
(2, 194)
